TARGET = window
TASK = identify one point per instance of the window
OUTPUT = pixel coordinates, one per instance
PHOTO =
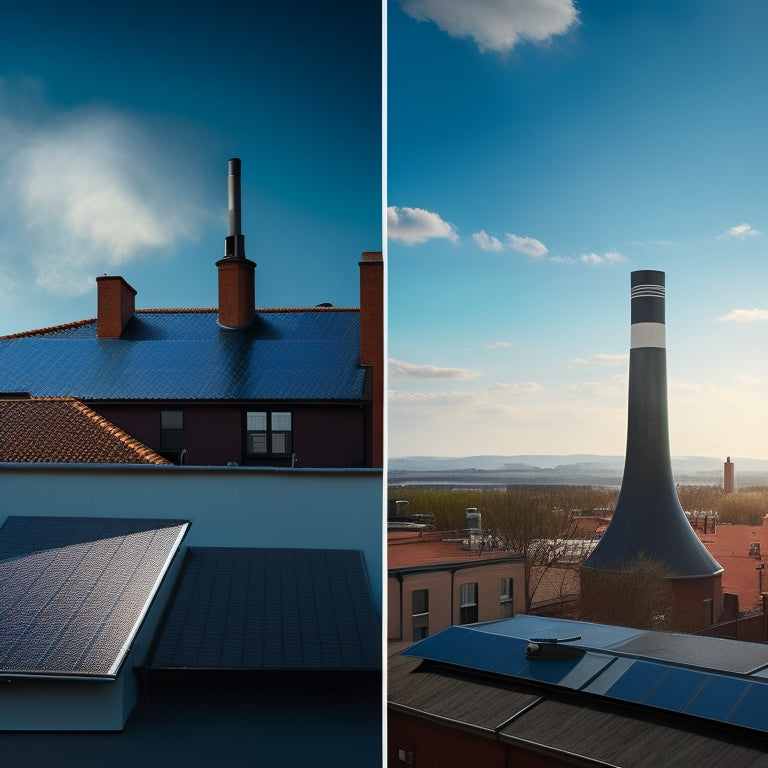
(171, 430)
(420, 613)
(468, 603)
(268, 433)
(506, 601)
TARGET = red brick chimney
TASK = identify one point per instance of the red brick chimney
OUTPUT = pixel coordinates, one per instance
(372, 343)
(116, 305)
(237, 294)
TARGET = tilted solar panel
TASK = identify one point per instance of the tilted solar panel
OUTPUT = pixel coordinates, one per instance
(75, 590)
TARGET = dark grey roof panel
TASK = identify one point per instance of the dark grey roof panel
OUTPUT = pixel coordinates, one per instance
(76, 589)
(270, 610)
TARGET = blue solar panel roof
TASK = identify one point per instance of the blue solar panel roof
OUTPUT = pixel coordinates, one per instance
(75, 590)
(241, 609)
(607, 664)
(178, 355)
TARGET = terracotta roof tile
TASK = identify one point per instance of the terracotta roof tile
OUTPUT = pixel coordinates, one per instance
(63, 430)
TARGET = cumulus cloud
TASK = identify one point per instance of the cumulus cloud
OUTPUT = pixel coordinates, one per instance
(487, 242)
(88, 191)
(402, 371)
(415, 225)
(745, 316)
(610, 257)
(530, 246)
(496, 25)
(739, 232)
(600, 360)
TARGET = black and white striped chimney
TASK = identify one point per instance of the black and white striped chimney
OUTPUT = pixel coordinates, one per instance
(648, 518)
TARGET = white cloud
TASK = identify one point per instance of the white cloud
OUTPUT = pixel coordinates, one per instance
(739, 232)
(500, 345)
(562, 259)
(527, 245)
(745, 316)
(496, 25)
(402, 371)
(609, 257)
(88, 191)
(600, 360)
(415, 225)
(491, 396)
(487, 242)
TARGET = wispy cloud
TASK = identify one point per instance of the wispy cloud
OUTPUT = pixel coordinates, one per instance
(745, 316)
(563, 259)
(496, 25)
(530, 246)
(739, 232)
(601, 360)
(487, 242)
(610, 257)
(88, 191)
(402, 371)
(416, 225)
(500, 345)
(493, 395)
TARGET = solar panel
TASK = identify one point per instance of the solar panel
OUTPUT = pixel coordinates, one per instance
(253, 609)
(499, 648)
(75, 590)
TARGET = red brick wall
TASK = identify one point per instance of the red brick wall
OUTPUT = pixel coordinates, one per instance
(372, 343)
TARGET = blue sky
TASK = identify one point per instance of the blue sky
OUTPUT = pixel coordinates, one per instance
(538, 153)
(116, 124)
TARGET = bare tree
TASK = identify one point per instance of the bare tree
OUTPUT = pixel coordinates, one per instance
(639, 596)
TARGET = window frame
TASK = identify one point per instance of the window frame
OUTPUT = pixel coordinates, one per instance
(175, 445)
(271, 433)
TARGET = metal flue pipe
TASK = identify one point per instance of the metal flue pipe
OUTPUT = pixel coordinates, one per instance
(234, 243)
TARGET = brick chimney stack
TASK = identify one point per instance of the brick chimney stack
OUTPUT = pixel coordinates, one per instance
(116, 305)
(728, 483)
(237, 295)
(372, 343)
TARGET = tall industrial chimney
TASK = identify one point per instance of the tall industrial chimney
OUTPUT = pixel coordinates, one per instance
(648, 518)
(236, 273)
(728, 483)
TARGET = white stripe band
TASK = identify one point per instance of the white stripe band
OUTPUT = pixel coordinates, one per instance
(647, 290)
(648, 335)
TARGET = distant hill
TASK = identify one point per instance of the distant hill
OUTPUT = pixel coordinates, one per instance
(571, 469)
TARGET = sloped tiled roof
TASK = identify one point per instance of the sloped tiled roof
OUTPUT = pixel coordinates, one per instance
(63, 430)
(277, 610)
(286, 354)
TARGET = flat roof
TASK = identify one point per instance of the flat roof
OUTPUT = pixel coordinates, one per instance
(75, 591)
(270, 610)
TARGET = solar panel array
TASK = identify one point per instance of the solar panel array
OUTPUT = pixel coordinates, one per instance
(604, 667)
(74, 590)
(258, 609)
